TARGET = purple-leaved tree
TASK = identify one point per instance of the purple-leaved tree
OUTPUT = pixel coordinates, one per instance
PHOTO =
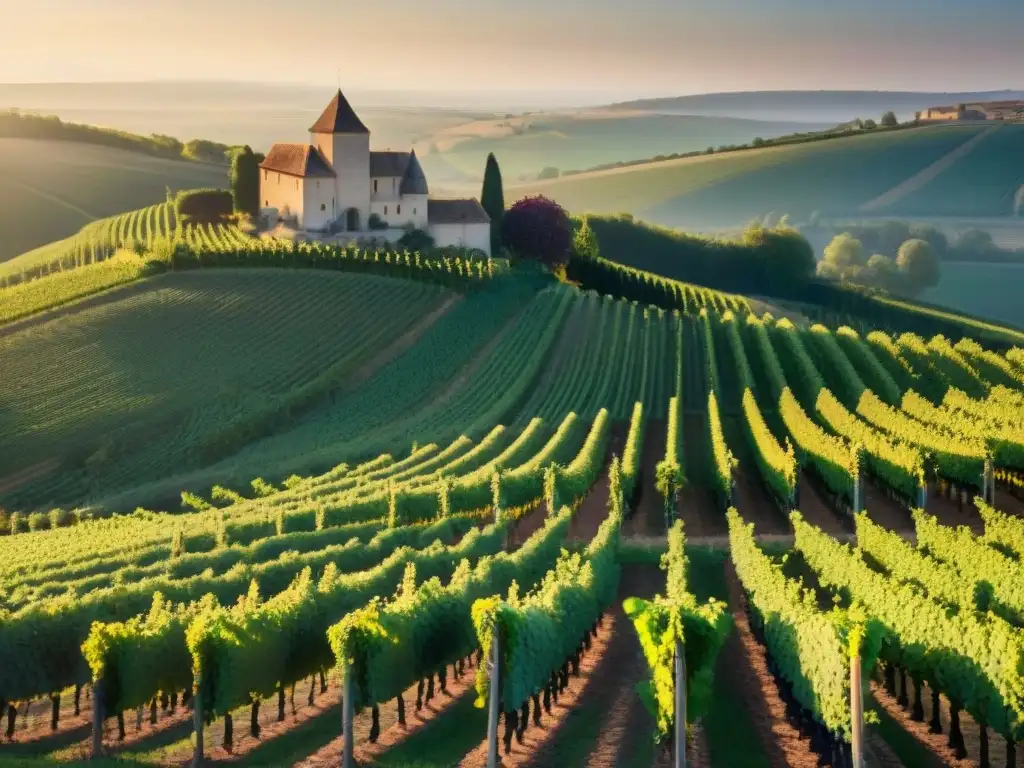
(539, 229)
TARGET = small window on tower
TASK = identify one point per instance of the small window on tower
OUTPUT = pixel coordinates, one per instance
(413, 211)
(385, 210)
(375, 186)
(323, 206)
(398, 210)
(265, 175)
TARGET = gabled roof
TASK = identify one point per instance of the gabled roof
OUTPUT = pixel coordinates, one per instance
(467, 211)
(384, 164)
(414, 182)
(303, 160)
(339, 117)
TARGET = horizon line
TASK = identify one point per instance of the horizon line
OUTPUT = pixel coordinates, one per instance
(358, 89)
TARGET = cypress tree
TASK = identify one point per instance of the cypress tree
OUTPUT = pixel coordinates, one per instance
(245, 181)
(492, 198)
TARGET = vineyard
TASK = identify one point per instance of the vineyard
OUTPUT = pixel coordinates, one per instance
(393, 510)
(135, 230)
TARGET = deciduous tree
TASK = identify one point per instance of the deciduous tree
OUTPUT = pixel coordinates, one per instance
(539, 229)
(974, 242)
(919, 264)
(844, 252)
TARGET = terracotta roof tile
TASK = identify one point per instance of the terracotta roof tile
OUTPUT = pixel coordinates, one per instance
(297, 160)
(467, 211)
(339, 117)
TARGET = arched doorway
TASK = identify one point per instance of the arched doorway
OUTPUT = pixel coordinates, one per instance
(352, 220)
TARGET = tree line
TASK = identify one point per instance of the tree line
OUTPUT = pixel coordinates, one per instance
(897, 256)
(21, 125)
(888, 122)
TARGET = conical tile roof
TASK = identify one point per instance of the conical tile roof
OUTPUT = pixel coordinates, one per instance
(414, 182)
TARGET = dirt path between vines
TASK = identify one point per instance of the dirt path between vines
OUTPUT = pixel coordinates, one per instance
(756, 506)
(926, 175)
(743, 665)
(698, 506)
(593, 510)
(937, 743)
(817, 511)
(886, 511)
(599, 721)
(648, 517)
(467, 371)
(953, 512)
(399, 345)
(392, 732)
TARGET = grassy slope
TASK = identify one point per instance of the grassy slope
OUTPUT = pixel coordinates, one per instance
(51, 189)
(833, 176)
(576, 141)
(983, 183)
(183, 364)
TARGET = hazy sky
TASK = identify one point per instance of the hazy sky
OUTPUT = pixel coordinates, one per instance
(627, 47)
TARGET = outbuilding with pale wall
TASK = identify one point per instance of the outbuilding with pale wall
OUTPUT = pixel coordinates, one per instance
(461, 223)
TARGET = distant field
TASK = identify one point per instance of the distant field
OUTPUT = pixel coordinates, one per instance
(577, 141)
(834, 177)
(50, 189)
(991, 291)
(983, 183)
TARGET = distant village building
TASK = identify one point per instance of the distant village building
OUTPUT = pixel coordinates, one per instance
(337, 184)
(998, 110)
(941, 113)
(982, 110)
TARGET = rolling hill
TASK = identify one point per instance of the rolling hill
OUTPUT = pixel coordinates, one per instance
(51, 189)
(186, 364)
(983, 182)
(582, 139)
(814, 106)
(836, 177)
(507, 434)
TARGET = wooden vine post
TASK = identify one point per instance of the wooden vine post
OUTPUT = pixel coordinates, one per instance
(495, 702)
(988, 488)
(857, 713)
(858, 479)
(348, 712)
(97, 719)
(197, 725)
(680, 693)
